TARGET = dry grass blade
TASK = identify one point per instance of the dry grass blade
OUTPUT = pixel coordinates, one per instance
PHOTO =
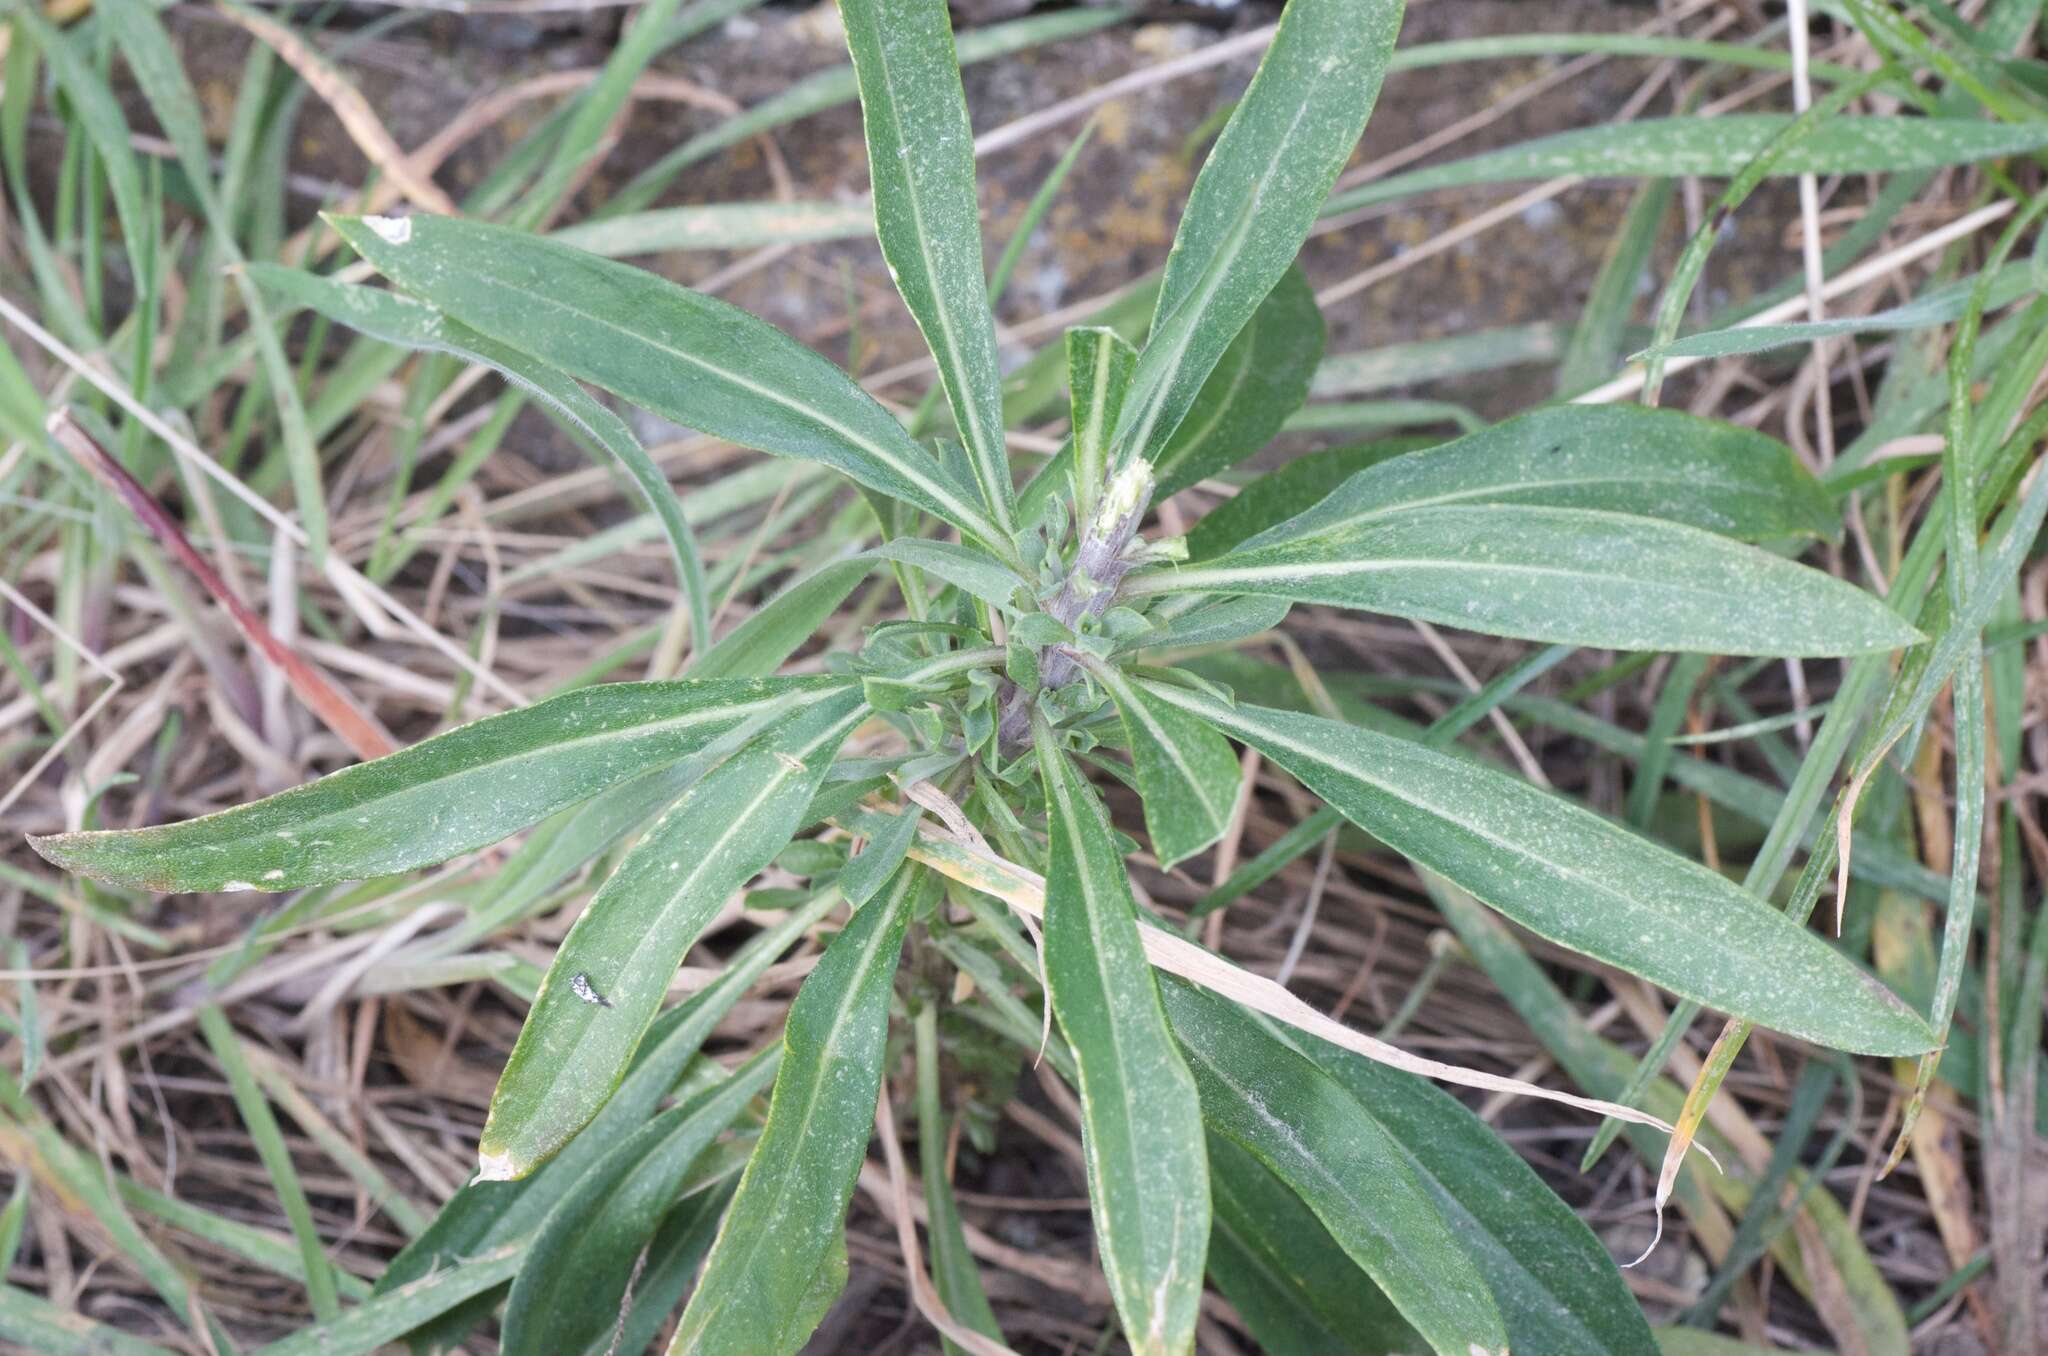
(364, 127)
(1024, 891)
(356, 727)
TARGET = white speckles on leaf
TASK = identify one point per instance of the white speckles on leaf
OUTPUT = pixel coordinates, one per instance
(392, 230)
(495, 1167)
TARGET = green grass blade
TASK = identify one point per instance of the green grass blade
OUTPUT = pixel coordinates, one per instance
(927, 215)
(954, 1272)
(45, 1329)
(369, 1326)
(1718, 146)
(790, 1212)
(1595, 348)
(612, 971)
(276, 1156)
(1566, 576)
(1260, 190)
(450, 794)
(1569, 875)
(682, 355)
(1936, 307)
(1141, 1123)
(1342, 1162)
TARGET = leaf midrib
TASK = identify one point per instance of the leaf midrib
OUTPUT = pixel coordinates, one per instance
(911, 474)
(1227, 253)
(1084, 863)
(955, 373)
(1677, 919)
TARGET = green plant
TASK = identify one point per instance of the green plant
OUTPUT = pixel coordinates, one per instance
(1228, 1133)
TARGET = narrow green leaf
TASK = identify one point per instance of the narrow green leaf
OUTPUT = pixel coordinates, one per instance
(613, 969)
(790, 1210)
(413, 324)
(1596, 344)
(954, 1271)
(1292, 489)
(965, 568)
(682, 355)
(720, 226)
(921, 157)
(484, 1215)
(758, 646)
(447, 795)
(577, 1269)
(370, 1325)
(1260, 380)
(836, 85)
(261, 1124)
(1622, 458)
(1558, 1289)
(155, 64)
(1141, 1124)
(1719, 146)
(48, 1329)
(1568, 576)
(1192, 621)
(1298, 1290)
(1260, 190)
(1099, 364)
(1187, 775)
(1936, 307)
(1585, 883)
(1341, 1161)
(866, 874)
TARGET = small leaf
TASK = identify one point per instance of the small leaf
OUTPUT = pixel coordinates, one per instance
(1187, 775)
(921, 157)
(1567, 576)
(444, 796)
(613, 969)
(682, 355)
(867, 873)
(1141, 1126)
(1261, 379)
(1260, 190)
(970, 571)
(790, 1210)
(1622, 458)
(1208, 622)
(1585, 883)
(1099, 366)
(1339, 1159)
